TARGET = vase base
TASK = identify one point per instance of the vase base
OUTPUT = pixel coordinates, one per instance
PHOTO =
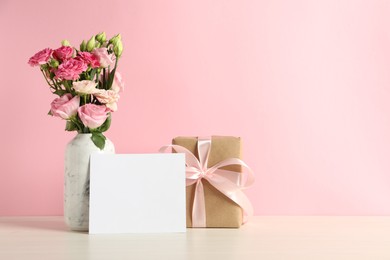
(78, 226)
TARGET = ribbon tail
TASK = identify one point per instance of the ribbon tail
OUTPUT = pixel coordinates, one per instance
(199, 207)
(245, 204)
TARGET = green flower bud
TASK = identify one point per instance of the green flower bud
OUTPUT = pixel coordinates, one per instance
(118, 48)
(98, 44)
(83, 46)
(101, 37)
(91, 44)
(65, 43)
(115, 39)
(54, 63)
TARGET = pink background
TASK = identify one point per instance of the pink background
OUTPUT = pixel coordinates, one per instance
(304, 83)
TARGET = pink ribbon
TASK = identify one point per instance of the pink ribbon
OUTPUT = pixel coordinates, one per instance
(196, 170)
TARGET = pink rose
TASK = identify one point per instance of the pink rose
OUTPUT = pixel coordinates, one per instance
(63, 53)
(109, 98)
(41, 57)
(89, 58)
(93, 115)
(85, 86)
(118, 85)
(105, 59)
(65, 106)
(70, 69)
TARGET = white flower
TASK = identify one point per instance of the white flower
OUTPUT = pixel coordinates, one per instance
(108, 97)
(85, 87)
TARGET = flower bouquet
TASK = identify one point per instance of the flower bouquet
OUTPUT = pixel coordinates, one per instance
(86, 81)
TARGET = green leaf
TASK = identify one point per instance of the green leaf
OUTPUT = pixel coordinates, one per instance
(60, 92)
(110, 79)
(111, 76)
(93, 73)
(106, 125)
(104, 79)
(70, 126)
(50, 113)
(99, 140)
(67, 84)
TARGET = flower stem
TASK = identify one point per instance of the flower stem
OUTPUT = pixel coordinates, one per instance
(75, 121)
(51, 85)
(104, 78)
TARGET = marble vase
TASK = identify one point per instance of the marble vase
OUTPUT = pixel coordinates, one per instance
(76, 189)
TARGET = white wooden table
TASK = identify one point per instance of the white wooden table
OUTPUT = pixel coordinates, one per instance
(263, 238)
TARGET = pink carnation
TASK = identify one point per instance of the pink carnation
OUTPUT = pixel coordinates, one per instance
(93, 115)
(63, 53)
(70, 69)
(89, 58)
(41, 57)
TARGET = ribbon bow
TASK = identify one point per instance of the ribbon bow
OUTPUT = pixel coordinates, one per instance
(196, 170)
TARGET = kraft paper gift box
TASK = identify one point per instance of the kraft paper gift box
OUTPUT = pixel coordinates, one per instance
(221, 212)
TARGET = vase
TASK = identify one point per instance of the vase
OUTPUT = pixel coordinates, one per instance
(76, 188)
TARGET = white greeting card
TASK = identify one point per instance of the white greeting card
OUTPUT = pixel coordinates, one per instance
(137, 193)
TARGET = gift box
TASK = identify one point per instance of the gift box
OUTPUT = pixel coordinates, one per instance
(220, 211)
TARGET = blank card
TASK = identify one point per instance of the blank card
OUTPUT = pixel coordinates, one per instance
(137, 193)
